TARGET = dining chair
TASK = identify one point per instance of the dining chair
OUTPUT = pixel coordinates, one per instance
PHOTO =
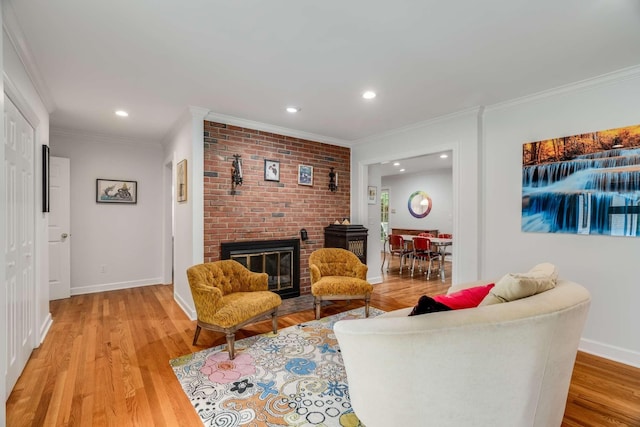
(423, 252)
(398, 247)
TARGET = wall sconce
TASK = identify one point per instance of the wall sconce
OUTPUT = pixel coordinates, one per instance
(333, 182)
(236, 175)
(303, 235)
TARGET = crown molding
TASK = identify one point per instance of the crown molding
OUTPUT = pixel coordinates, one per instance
(19, 43)
(265, 127)
(422, 124)
(628, 73)
(188, 114)
(87, 137)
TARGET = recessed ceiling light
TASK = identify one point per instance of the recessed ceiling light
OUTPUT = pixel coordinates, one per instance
(443, 156)
(122, 113)
(293, 109)
(402, 170)
(396, 163)
(369, 94)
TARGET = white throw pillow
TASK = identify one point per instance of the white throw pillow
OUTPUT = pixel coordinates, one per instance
(514, 286)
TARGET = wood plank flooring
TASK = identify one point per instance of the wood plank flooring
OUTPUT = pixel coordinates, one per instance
(105, 362)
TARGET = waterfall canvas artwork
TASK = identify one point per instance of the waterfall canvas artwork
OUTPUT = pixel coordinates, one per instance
(583, 184)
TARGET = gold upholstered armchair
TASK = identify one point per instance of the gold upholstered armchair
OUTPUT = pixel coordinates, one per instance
(228, 296)
(338, 274)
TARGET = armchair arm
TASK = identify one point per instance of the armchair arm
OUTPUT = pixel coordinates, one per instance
(315, 273)
(207, 299)
(360, 271)
(258, 281)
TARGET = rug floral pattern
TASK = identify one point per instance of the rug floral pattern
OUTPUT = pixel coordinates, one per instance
(295, 378)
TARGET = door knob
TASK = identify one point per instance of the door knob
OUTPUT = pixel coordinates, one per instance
(64, 235)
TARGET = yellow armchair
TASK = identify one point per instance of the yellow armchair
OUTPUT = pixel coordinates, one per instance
(338, 274)
(228, 296)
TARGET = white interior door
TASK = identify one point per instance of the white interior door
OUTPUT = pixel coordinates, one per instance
(19, 246)
(59, 229)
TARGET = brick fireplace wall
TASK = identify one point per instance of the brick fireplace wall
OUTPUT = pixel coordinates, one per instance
(268, 210)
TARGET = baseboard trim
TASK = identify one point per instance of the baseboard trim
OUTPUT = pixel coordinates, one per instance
(115, 286)
(375, 280)
(44, 328)
(191, 314)
(617, 354)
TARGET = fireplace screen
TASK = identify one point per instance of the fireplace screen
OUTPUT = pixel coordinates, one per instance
(280, 259)
(277, 264)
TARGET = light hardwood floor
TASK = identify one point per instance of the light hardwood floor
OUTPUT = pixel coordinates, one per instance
(105, 362)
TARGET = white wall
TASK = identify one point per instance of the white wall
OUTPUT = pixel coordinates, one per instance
(186, 141)
(605, 265)
(125, 239)
(458, 133)
(438, 184)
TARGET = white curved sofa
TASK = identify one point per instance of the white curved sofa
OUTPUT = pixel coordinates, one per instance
(507, 364)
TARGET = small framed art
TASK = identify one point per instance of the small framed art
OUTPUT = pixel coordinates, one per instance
(45, 178)
(181, 182)
(305, 175)
(116, 191)
(372, 195)
(271, 170)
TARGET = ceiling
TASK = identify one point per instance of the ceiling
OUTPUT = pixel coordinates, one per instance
(417, 164)
(250, 59)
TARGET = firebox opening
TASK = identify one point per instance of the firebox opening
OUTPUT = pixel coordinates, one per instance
(280, 259)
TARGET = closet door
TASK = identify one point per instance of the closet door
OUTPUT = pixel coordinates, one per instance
(19, 245)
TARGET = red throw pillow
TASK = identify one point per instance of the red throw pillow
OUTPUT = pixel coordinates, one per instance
(466, 298)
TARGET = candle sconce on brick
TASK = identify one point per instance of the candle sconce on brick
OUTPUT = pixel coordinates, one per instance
(236, 173)
(333, 181)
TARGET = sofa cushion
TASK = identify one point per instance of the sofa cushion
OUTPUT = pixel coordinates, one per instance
(465, 298)
(513, 286)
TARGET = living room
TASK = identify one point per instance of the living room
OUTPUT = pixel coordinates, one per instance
(486, 145)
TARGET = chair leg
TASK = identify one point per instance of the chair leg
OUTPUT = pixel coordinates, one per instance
(317, 302)
(274, 321)
(231, 339)
(196, 335)
(367, 300)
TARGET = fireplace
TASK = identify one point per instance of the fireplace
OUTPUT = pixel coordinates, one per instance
(280, 259)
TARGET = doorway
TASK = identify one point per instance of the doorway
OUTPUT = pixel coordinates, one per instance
(19, 153)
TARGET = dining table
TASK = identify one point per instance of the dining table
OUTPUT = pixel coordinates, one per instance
(441, 244)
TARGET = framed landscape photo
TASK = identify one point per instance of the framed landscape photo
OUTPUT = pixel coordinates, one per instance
(271, 170)
(181, 181)
(116, 191)
(305, 175)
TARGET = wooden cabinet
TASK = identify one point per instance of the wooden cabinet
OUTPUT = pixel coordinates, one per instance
(351, 237)
(412, 231)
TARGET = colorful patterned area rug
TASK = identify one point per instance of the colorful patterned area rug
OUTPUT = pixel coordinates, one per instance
(295, 378)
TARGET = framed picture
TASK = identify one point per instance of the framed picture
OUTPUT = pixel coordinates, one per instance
(45, 178)
(116, 191)
(181, 181)
(372, 195)
(271, 170)
(305, 175)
